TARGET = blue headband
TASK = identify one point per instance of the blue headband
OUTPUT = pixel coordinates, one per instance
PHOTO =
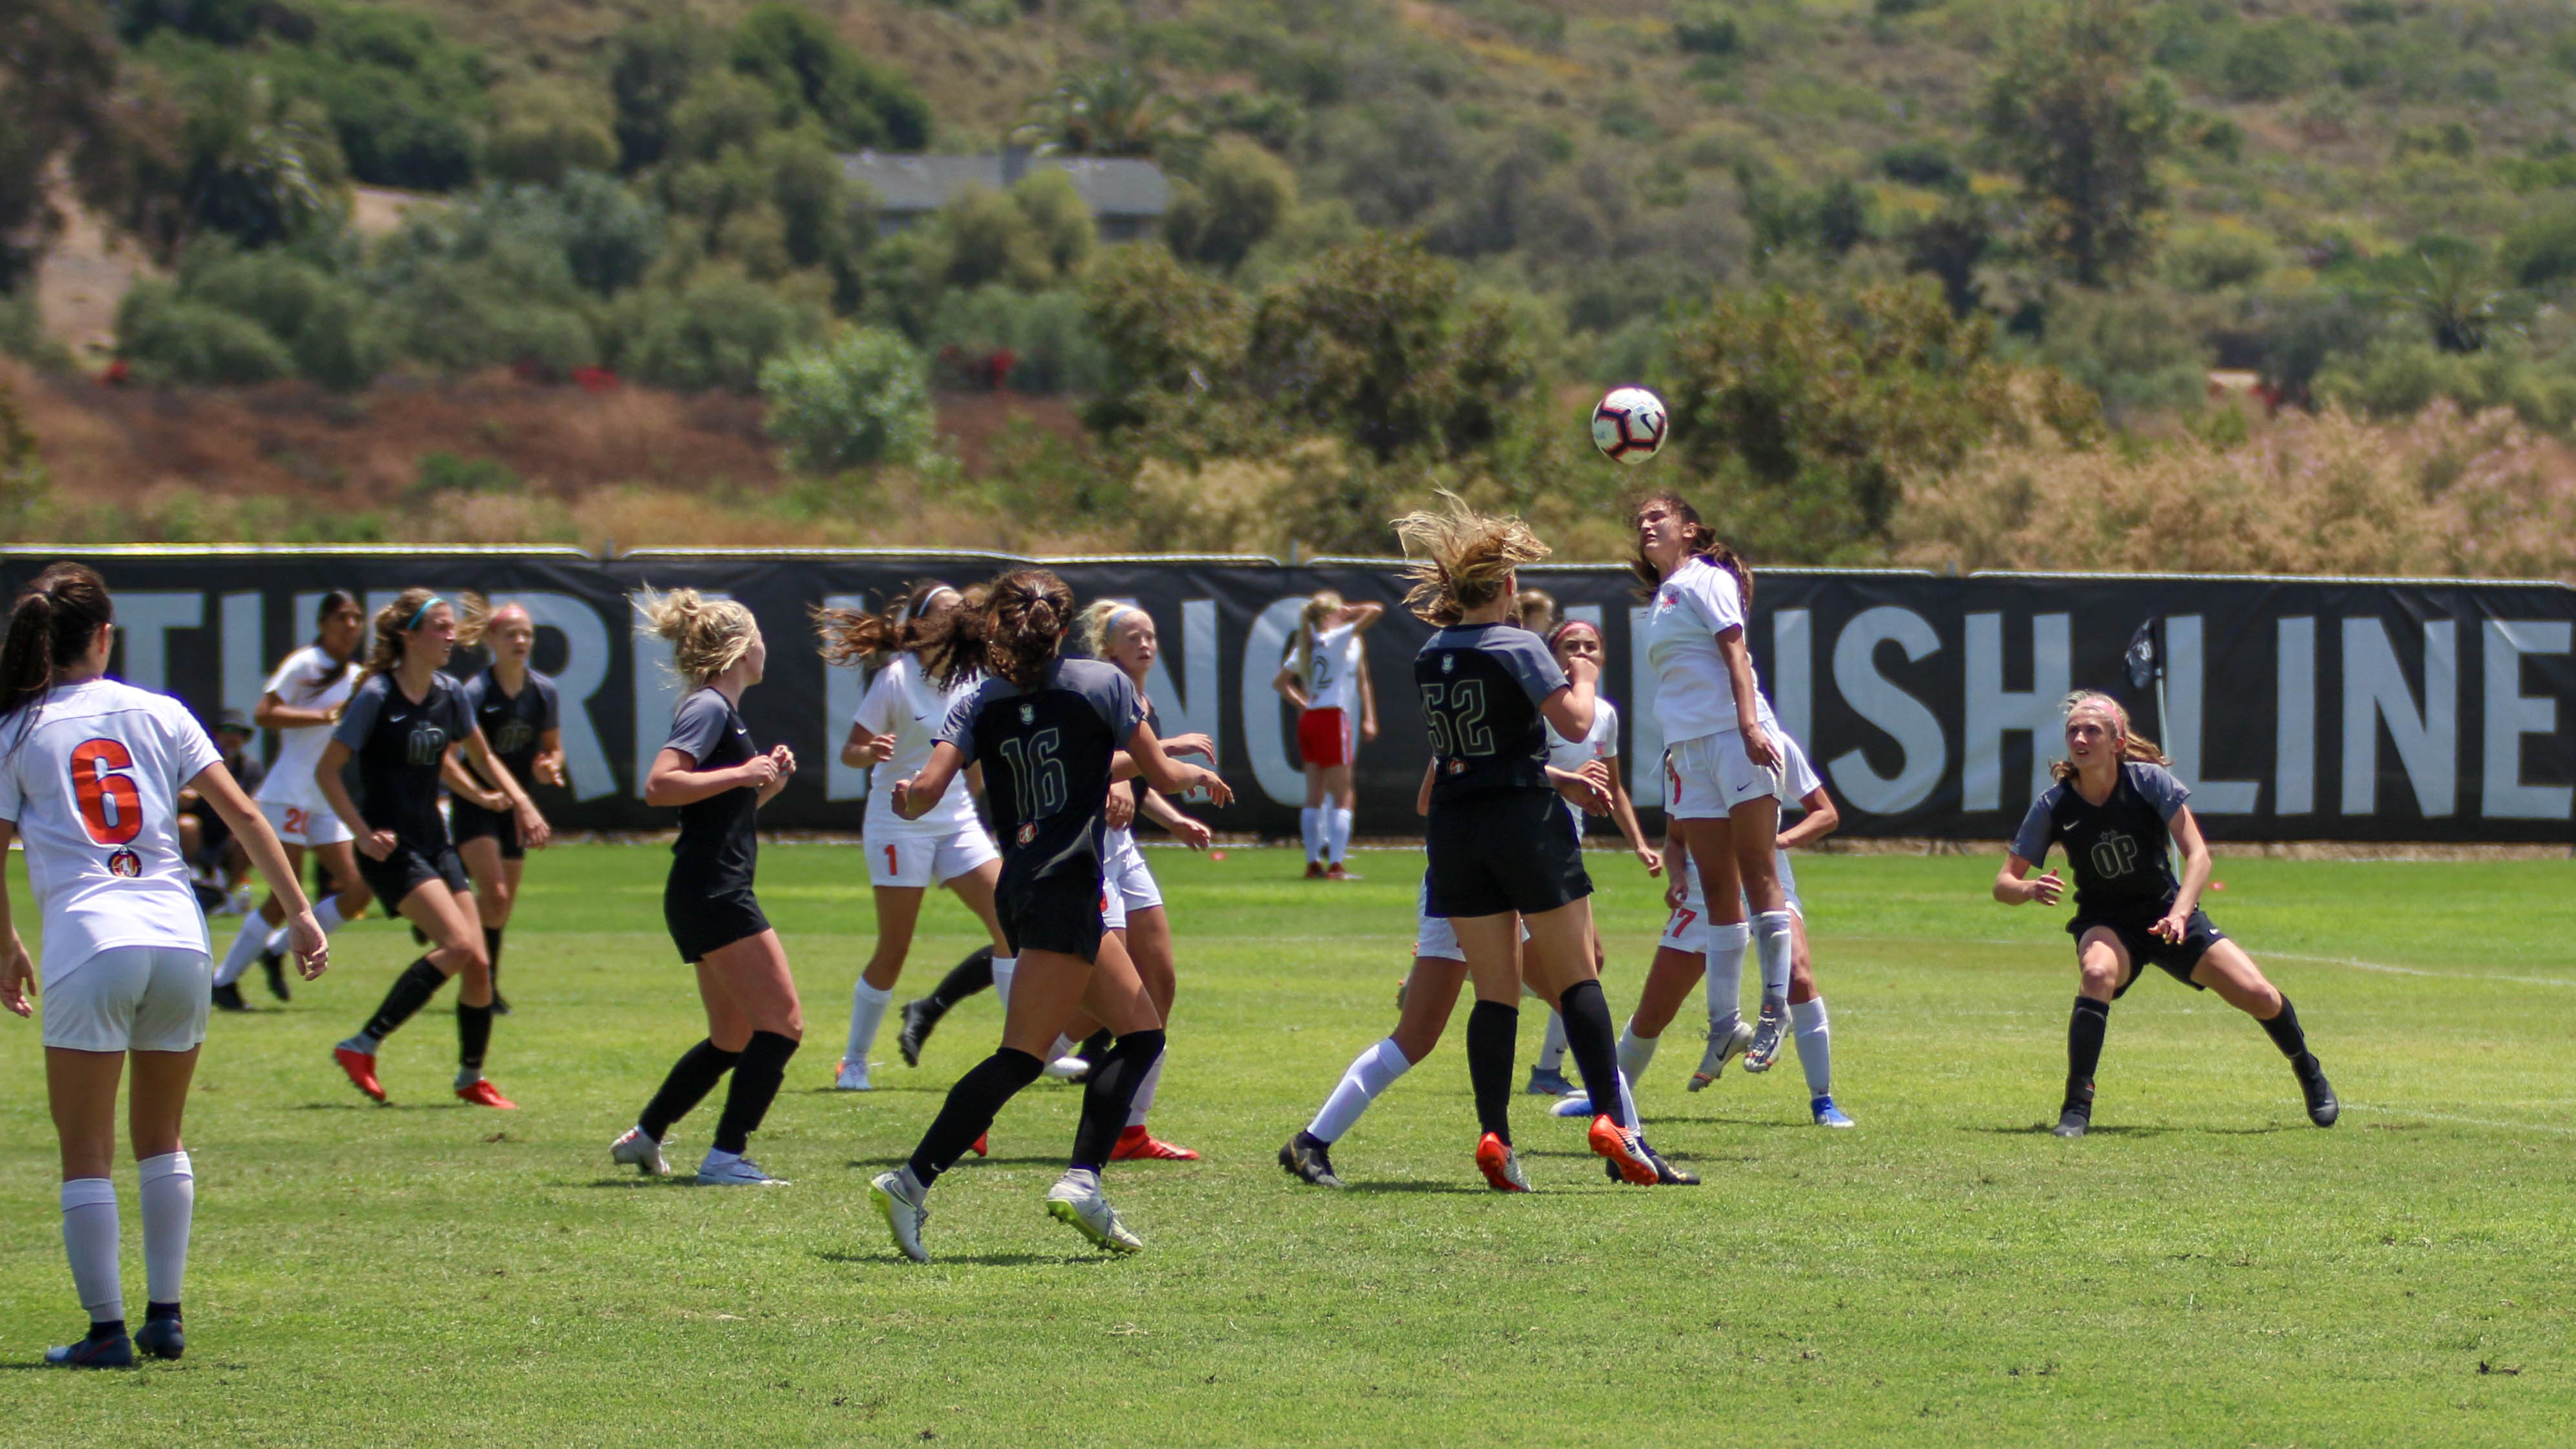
(422, 612)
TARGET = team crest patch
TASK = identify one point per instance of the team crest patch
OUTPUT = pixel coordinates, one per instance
(1028, 714)
(1448, 663)
(125, 863)
(1457, 767)
(1028, 832)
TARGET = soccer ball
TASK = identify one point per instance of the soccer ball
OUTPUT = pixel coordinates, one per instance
(1629, 424)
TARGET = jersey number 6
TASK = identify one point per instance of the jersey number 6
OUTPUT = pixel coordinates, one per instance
(111, 808)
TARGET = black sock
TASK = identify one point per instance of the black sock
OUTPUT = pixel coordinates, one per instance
(492, 951)
(756, 1079)
(1595, 1044)
(1107, 1094)
(967, 977)
(105, 1328)
(1493, 1032)
(411, 991)
(473, 1037)
(155, 1312)
(693, 1076)
(2084, 1032)
(970, 1109)
(2285, 1033)
(1095, 1047)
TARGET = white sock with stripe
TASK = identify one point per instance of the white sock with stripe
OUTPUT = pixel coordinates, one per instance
(1726, 946)
(1815, 1046)
(1371, 1072)
(90, 1232)
(867, 1013)
(169, 1211)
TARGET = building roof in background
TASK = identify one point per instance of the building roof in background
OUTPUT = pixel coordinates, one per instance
(1110, 186)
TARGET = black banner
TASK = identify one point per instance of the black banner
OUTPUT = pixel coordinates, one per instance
(2297, 709)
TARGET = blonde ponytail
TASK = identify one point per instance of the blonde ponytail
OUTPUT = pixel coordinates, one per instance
(707, 636)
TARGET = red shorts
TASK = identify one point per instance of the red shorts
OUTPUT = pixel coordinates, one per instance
(1324, 737)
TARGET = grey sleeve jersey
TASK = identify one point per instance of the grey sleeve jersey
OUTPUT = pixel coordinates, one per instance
(2158, 787)
(698, 725)
(1524, 657)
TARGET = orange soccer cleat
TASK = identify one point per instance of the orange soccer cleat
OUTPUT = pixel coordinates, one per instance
(361, 1067)
(1501, 1165)
(1625, 1151)
(482, 1093)
(983, 1145)
(1137, 1145)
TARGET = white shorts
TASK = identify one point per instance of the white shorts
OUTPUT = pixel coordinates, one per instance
(1712, 775)
(1686, 928)
(131, 998)
(1126, 876)
(921, 861)
(1113, 905)
(1435, 937)
(305, 825)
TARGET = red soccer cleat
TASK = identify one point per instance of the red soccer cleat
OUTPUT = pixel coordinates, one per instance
(1314, 870)
(1138, 1145)
(361, 1067)
(1625, 1151)
(983, 1145)
(1500, 1164)
(483, 1094)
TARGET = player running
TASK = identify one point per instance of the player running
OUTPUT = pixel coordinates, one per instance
(2118, 811)
(710, 770)
(1725, 770)
(302, 702)
(90, 771)
(398, 726)
(1326, 676)
(519, 713)
(897, 722)
(1047, 730)
(1500, 852)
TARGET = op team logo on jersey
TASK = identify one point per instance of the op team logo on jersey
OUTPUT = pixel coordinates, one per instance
(428, 743)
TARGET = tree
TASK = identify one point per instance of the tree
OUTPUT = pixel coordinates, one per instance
(651, 65)
(861, 398)
(793, 52)
(1112, 111)
(2083, 124)
(1238, 198)
(60, 98)
(1175, 343)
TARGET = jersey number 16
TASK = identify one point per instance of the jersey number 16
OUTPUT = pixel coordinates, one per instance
(1037, 776)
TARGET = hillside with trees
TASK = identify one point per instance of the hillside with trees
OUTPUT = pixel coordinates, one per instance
(1969, 283)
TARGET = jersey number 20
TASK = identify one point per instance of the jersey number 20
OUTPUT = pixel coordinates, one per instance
(111, 809)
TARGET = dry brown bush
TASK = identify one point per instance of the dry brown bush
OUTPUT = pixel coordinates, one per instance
(2443, 495)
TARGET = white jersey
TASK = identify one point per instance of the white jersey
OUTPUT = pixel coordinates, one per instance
(1694, 696)
(1602, 743)
(1333, 674)
(309, 679)
(94, 788)
(903, 703)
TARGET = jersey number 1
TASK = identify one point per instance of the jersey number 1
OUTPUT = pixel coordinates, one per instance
(111, 809)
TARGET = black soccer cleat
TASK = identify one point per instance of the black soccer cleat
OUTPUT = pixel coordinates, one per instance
(1309, 1159)
(2323, 1109)
(2071, 1123)
(918, 1019)
(113, 1351)
(1666, 1175)
(274, 964)
(228, 997)
(500, 1004)
(162, 1338)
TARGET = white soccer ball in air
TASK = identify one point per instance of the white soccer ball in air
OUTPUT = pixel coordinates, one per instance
(1629, 424)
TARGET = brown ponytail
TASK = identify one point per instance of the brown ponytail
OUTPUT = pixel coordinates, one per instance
(853, 637)
(51, 628)
(1025, 616)
(392, 622)
(1703, 543)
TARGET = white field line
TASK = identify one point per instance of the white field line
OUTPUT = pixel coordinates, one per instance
(2469, 1121)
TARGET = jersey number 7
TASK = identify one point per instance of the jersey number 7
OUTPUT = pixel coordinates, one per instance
(111, 809)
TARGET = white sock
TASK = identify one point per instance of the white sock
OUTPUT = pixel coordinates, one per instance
(717, 1158)
(1145, 1091)
(1635, 1053)
(1063, 1047)
(1726, 947)
(867, 1013)
(1772, 945)
(90, 1233)
(169, 1207)
(1003, 968)
(1371, 1072)
(1815, 1046)
(326, 915)
(1337, 837)
(1628, 1106)
(244, 949)
(1551, 1047)
(1310, 823)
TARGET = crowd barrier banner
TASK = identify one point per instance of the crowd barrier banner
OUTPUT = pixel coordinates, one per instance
(2326, 709)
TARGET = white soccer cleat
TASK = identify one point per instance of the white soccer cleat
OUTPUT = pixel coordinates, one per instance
(723, 1169)
(1768, 1036)
(1574, 1106)
(903, 1214)
(1068, 1069)
(634, 1149)
(1721, 1046)
(1076, 1201)
(851, 1077)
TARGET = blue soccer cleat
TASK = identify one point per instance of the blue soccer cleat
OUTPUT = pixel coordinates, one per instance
(1827, 1114)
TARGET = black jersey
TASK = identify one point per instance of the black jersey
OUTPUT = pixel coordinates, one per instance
(1046, 754)
(1137, 786)
(2120, 850)
(400, 743)
(718, 846)
(513, 726)
(1481, 688)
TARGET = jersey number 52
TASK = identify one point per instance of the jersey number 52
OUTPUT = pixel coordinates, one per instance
(1455, 711)
(111, 809)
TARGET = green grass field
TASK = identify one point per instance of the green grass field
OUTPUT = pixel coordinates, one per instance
(2206, 1268)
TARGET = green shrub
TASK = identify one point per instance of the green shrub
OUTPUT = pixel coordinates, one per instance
(860, 399)
(2129, 347)
(2541, 251)
(167, 338)
(1239, 197)
(320, 317)
(1706, 30)
(718, 333)
(2212, 260)
(543, 132)
(793, 52)
(22, 333)
(1051, 344)
(445, 472)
